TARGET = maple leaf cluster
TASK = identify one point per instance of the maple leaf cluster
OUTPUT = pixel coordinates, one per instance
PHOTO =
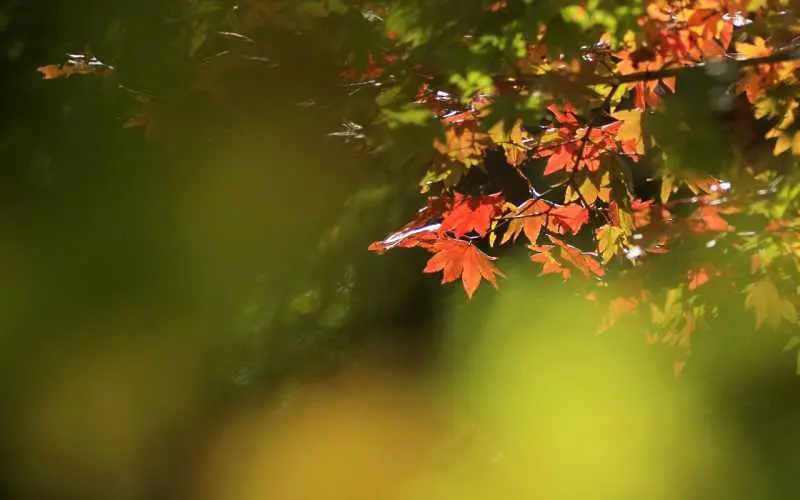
(589, 151)
(582, 147)
(607, 137)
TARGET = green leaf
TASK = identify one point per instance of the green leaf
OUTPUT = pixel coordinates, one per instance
(509, 109)
(471, 83)
(793, 343)
(199, 36)
(410, 114)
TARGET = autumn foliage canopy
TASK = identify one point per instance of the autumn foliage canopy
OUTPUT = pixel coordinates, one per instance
(646, 149)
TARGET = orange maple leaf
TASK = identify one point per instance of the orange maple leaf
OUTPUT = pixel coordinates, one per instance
(618, 307)
(529, 218)
(700, 276)
(549, 263)
(461, 259)
(51, 71)
(708, 218)
(472, 213)
(552, 263)
(585, 263)
(697, 278)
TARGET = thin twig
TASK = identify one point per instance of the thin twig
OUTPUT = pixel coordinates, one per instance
(644, 76)
(579, 156)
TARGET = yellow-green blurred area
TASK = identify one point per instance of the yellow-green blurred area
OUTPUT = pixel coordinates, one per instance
(196, 317)
(525, 403)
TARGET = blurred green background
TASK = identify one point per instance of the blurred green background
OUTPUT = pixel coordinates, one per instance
(196, 316)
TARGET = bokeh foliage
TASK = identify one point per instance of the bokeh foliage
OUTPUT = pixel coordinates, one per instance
(190, 310)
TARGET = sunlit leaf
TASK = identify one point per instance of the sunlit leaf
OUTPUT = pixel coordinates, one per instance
(769, 307)
(472, 213)
(609, 239)
(460, 259)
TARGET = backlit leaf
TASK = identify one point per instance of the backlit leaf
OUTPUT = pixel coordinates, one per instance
(667, 186)
(460, 259)
(631, 127)
(769, 307)
(570, 217)
(530, 218)
(609, 239)
(51, 71)
(472, 213)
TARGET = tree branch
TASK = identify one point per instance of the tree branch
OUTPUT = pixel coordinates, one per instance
(644, 76)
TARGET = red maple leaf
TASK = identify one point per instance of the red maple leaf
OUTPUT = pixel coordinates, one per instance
(561, 158)
(459, 258)
(569, 217)
(581, 147)
(421, 231)
(697, 278)
(422, 236)
(472, 213)
(700, 276)
(567, 116)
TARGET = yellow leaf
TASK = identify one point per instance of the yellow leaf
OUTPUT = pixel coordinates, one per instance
(591, 186)
(657, 316)
(515, 155)
(492, 233)
(757, 49)
(796, 144)
(667, 185)
(631, 127)
(631, 124)
(604, 194)
(625, 220)
(608, 241)
(674, 306)
(515, 135)
(587, 190)
(765, 107)
(784, 143)
(700, 184)
(788, 116)
(766, 302)
(547, 137)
